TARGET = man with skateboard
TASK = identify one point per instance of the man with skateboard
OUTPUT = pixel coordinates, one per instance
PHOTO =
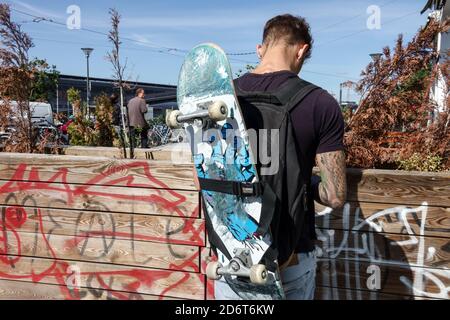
(318, 127)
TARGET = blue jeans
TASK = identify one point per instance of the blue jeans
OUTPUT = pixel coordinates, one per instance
(299, 281)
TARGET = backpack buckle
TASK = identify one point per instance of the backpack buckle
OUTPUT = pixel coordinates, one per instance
(248, 189)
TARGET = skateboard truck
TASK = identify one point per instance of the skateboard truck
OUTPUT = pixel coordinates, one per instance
(217, 111)
(240, 266)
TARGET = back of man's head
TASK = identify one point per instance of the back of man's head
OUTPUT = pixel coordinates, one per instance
(114, 97)
(290, 29)
(139, 91)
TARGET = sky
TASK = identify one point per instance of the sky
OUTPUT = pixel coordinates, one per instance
(157, 34)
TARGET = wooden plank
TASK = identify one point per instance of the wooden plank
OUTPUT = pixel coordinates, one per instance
(86, 151)
(133, 227)
(388, 218)
(96, 171)
(406, 250)
(101, 198)
(69, 275)
(181, 152)
(103, 249)
(164, 153)
(398, 187)
(402, 188)
(19, 290)
(384, 278)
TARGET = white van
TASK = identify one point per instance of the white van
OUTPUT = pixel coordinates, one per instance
(39, 111)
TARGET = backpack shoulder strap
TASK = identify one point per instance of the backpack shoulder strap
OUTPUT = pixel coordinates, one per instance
(257, 96)
(289, 95)
(294, 91)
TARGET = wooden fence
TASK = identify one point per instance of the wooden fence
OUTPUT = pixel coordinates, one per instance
(115, 229)
(101, 228)
(391, 240)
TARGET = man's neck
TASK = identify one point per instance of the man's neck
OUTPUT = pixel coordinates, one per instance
(270, 68)
(275, 60)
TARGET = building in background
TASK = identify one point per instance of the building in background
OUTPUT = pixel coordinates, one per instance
(349, 86)
(440, 10)
(159, 97)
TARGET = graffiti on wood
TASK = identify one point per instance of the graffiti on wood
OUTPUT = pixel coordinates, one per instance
(361, 255)
(94, 251)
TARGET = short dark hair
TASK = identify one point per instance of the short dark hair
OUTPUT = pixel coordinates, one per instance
(139, 90)
(292, 29)
(114, 98)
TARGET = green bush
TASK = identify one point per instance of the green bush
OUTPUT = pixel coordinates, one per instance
(104, 130)
(159, 120)
(418, 162)
(81, 131)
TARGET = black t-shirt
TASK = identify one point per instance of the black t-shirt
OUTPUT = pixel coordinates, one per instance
(318, 125)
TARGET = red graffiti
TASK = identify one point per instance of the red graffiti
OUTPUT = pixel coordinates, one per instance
(21, 183)
(14, 217)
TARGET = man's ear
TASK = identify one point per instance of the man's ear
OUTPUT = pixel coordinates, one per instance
(302, 51)
(260, 51)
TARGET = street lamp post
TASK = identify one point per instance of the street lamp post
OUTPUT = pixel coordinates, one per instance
(57, 97)
(87, 52)
(376, 56)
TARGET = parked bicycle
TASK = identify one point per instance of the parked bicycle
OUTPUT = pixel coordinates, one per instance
(6, 133)
(46, 132)
(158, 135)
(161, 135)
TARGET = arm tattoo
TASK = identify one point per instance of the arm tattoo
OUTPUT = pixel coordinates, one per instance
(333, 187)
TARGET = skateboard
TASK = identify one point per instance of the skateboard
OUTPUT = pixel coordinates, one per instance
(211, 116)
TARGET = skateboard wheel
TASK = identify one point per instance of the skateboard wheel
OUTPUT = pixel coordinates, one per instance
(218, 111)
(172, 119)
(211, 270)
(258, 274)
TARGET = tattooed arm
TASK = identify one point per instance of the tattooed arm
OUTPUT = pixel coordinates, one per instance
(331, 191)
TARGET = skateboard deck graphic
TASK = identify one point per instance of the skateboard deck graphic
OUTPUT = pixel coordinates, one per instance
(221, 151)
